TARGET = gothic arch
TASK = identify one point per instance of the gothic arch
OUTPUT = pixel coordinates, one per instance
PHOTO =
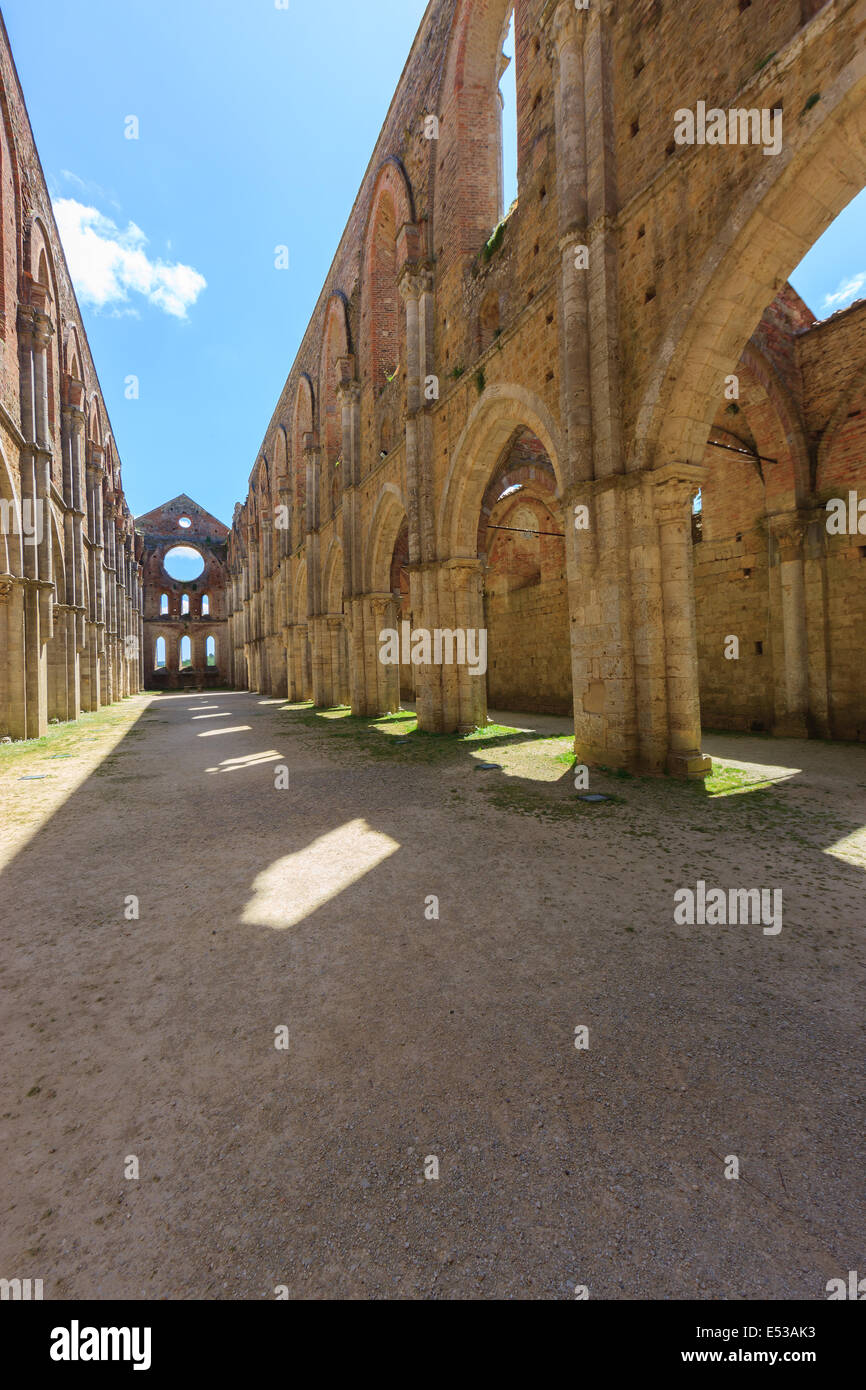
(780, 216)
(790, 421)
(281, 456)
(73, 357)
(333, 363)
(10, 214)
(389, 516)
(500, 412)
(10, 540)
(300, 596)
(302, 424)
(332, 572)
(384, 253)
(94, 423)
(468, 194)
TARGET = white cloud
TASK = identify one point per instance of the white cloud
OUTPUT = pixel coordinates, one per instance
(107, 264)
(845, 294)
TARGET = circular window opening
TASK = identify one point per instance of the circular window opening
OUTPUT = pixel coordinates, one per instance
(185, 523)
(183, 563)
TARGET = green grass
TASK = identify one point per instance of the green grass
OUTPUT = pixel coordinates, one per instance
(732, 801)
(394, 736)
(64, 738)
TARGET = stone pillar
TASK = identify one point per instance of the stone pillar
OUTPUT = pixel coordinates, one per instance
(74, 486)
(359, 690)
(463, 602)
(383, 679)
(13, 649)
(34, 333)
(566, 51)
(792, 683)
(674, 487)
(95, 659)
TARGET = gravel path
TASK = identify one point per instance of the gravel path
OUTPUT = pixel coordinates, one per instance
(410, 1038)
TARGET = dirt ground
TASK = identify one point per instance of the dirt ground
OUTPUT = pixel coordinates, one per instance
(307, 908)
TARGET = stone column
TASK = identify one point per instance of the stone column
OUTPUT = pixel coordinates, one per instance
(74, 430)
(13, 649)
(283, 670)
(674, 487)
(466, 583)
(34, 333)
(96, 528)
(384, 679)
(566, 51)
(792, 690)
(349, 396)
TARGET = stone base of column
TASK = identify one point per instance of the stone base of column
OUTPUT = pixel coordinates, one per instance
(694, 765)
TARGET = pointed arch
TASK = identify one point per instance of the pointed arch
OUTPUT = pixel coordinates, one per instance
(500, 412)
(390, 239)
(335, 366)
(10, 530)
(94, 422)
(779, 217)
(300, 603)
(389, 515)
(303, 417)
(798, 483)
(10, 216)
(468, 192)
(332, 581)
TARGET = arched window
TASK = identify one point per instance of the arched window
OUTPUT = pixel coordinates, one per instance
(384, 296)
(163, 605)
(185, 652)
(184, 604)
(508, 147)
(160, 654)
(210, 647)
(205, 605)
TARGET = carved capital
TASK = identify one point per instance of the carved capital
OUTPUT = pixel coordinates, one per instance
(674, 486)
(349, 393)
(789, 531)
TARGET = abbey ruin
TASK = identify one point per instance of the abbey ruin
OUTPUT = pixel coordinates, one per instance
(597, 425)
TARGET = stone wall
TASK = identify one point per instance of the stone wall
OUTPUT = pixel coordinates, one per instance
(70, 573)
(802, 414)
(601, 316)
(176, 609)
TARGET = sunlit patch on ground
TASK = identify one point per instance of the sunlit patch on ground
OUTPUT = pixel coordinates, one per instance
(299, 884)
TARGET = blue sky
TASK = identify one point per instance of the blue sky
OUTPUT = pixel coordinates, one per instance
(255, 127)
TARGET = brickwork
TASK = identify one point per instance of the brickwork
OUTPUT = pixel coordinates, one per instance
(70, 562)
(802, 407)
(601, 317)
(175, 609)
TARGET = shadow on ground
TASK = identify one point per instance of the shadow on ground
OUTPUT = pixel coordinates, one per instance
(313, 906)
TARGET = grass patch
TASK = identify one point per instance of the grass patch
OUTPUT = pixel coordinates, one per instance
(65, 738)
(394, 737)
